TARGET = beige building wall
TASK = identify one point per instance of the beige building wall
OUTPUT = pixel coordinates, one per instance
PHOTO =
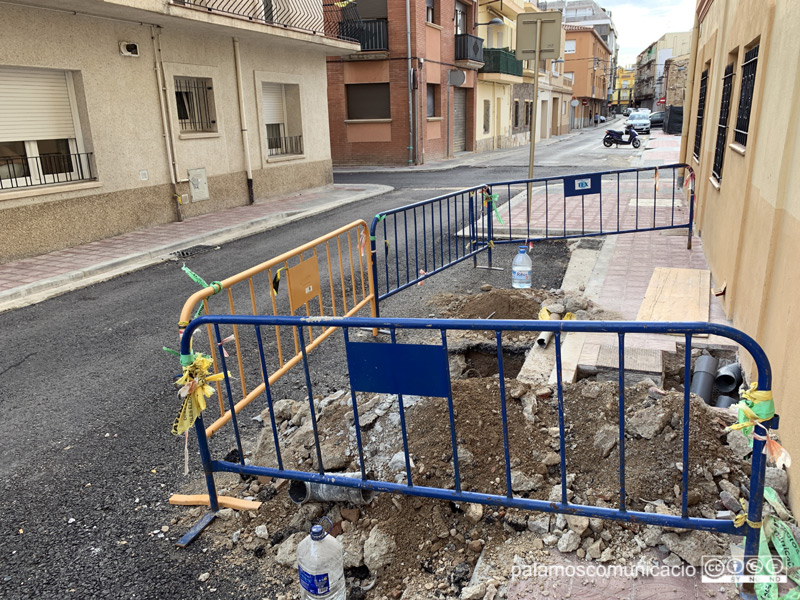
(750, 219)
(121, 123)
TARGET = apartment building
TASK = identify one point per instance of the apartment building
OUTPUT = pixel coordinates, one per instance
(742, 138)
(587, 63)
(117, 115)
(649, 90)
(409, 95)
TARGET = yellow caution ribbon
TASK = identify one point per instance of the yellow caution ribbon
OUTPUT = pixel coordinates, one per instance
(194, 391)
(276, 281)
(741, 519)
(756, 406)
(544, 314)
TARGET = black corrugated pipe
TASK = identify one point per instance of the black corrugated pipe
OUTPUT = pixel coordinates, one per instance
(705, 367)
(729, 378)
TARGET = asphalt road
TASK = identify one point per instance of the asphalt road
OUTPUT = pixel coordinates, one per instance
(87, 461)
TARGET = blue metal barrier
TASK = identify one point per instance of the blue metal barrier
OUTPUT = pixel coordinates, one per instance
(422, 369)
(443, 231)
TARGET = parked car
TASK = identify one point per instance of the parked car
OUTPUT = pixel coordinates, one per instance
(643, 111)
(627, 112)
(639, 121)
(657, 119)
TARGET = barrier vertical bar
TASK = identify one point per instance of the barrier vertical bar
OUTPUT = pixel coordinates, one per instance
(503, 412)
(356, 424)
(265, 375)
(205, 457)
(687, 370)
(622, 420)
(560, 391)
(601, 204)
(403, 423)
(396, 252)
(320, 466)
(453, 440)
(441, 233)
(618, 202)
(546, 212)
(424, 241)
(473, 234)
(449, 237)
(637, 201)
(231, 405)
(490, 230)
(416, 245)
(691, 214)
(672, 220)
(405, 229)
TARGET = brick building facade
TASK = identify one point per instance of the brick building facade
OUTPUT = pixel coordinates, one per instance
(373, 118)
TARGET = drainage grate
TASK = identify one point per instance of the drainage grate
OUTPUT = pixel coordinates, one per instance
(193, 251)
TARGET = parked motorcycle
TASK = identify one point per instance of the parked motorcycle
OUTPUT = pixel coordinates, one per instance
(614, 136)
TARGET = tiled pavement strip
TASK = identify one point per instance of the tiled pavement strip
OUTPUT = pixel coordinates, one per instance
(620, 287)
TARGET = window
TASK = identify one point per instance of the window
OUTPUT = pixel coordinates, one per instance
(487, 116)
(554, 66)
(569, 47)
(516, 113)
(528, 105)
(722, 126)
(194, 97)
(461, 18)
(701, 108)
(569, 76)
(40, 138)
(368, 101)
(282, 119)
(625, 84)
(746, 96)
(432, 102)
(429, 11)
(564, 107)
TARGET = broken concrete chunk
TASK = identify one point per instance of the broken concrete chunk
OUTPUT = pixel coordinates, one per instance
(739, 444)
(777, 480)
(520, 482)
(727, 486)
(596, 549)
(378, 550)
(473, 512)
(287, 551)
(352, 549)
(649, 422)
(692, 546)
(579, 525)
(569, 542)
(473, 592)
(606, 439)
(539, 525)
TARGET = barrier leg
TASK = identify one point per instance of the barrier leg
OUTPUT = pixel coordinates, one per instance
(208, 469)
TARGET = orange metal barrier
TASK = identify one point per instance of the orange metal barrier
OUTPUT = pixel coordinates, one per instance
(330, 276)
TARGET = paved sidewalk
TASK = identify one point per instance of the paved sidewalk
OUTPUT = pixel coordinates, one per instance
(34, 279)
(462, 159)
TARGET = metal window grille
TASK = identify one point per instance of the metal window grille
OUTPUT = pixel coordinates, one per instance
(746, 96)
(45, 169)
(194, 98)
(701, 108)
(722, 127)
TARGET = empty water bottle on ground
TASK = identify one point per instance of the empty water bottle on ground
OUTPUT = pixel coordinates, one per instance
(521, 269)
(319, 562)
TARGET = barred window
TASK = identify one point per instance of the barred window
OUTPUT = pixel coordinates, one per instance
(194, 97)
(516, 113)
(746, 96)
(701, 108)
(722, 126)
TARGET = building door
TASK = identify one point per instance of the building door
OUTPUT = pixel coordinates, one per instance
(459, 119)
(543, 131)
(554, 123)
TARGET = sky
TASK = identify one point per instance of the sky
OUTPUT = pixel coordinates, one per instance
(640, 23)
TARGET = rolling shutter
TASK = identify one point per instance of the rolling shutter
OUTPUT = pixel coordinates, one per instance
(272, 94)
(459, 119)
(34, 105)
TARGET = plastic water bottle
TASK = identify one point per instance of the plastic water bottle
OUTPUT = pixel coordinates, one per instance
(521, 269)
(319, 562)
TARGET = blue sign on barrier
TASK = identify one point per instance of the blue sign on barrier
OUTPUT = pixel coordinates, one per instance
(580, 185)
(412, 369)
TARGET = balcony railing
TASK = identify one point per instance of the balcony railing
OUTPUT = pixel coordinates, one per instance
(46, 169)
(313, 16)
(278, 146)
(469, 47)
(499, 60)
(373, 34)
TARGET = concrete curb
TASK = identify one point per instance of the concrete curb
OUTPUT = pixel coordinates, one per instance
(455, 163)
(39, 291)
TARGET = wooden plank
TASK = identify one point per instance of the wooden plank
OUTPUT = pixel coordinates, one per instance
(677, 295)
(571, 349)
(224, 501)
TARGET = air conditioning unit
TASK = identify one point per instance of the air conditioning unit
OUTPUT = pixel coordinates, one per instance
(128, 49)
